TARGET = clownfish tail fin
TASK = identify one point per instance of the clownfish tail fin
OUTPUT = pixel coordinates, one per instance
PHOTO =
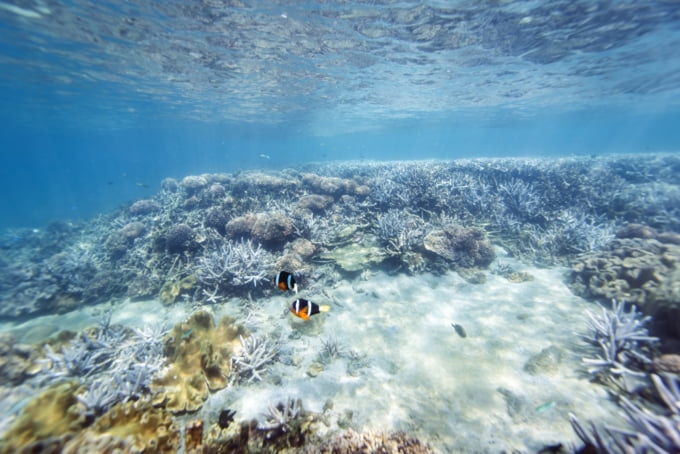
(324, 308)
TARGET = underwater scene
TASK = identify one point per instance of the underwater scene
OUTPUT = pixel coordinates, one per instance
(339, 227)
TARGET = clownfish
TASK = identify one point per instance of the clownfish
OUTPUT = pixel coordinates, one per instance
(304, 309)
(285, 281)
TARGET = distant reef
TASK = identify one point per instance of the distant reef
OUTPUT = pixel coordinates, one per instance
(212, 236)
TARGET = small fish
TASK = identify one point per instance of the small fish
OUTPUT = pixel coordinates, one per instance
(304, 309)
(545, 407)
(186, 334)
(264, 156)
(142, 185)
(285, 281)
(459, 330)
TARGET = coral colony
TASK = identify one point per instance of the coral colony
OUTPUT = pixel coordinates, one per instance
(214, 241)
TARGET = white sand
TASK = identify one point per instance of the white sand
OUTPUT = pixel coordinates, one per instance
(425, 379)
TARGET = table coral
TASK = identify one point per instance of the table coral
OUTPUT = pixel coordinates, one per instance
(199, 358)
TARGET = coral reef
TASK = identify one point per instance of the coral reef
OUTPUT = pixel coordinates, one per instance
(47, 422)
(129, 427)
(179, 238)
(172, 289)
(198, 361)
(256, 352)
(333, 185)
(315, 203)
(236, 264)
(649, 431)
(464, 247)
(193, 183)
(113, 364)
(350, 442)
(639, 270)
(217, 218)
(287, 428)
(272, 229)
(143, 207)
(355, 257)
(17, 361)
(623, 344)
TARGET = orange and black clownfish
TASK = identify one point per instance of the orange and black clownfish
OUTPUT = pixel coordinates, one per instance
(285, 281)
(304, 309)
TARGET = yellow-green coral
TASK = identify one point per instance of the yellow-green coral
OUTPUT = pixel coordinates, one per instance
(199, 359)
(130, 427)
(172, 289)
(46, 422)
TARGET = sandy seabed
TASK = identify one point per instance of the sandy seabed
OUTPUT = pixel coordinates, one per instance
(401, 365)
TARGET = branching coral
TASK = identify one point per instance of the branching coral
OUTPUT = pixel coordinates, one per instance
(623, 342)
(235, 264)
(114, 364)
(250, 363)
(280, 416)
(399, 232)
(649, 432)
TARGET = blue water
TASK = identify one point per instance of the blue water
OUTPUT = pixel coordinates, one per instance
(101, 100)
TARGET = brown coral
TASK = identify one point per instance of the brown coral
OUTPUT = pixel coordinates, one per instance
(314, 202)
(333, 185)
(199, 358)
(240, 226)
(637, 270)
(17, 361)
(129, 427)
(272, 228)
(351, 442)
(466, 247)
(46, 422)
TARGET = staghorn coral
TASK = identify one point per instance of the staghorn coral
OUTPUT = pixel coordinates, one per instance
(623, 343)
(256, 352)
(131, 427)
(649, 431)
(112, 363)
(399, 232)
(198, 361)
(234, 264)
